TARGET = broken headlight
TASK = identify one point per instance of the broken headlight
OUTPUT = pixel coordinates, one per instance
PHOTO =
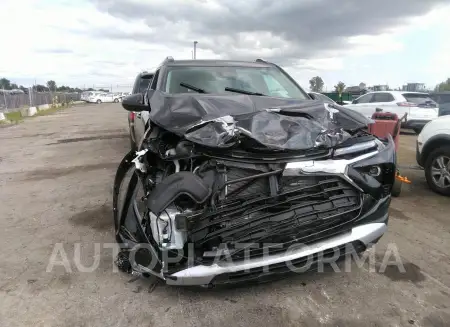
(375, 175)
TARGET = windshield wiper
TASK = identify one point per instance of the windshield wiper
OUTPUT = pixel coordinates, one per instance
(192, 87)
(232, 89)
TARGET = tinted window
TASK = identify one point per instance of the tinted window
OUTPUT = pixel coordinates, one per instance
(441, 98)
(266, 80)
(382, 97)
(417, 97)
(364, 99)
(141, 84)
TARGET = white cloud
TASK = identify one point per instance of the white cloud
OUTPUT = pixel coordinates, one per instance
(66, 41)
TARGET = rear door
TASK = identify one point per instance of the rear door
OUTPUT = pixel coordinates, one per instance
(109, 97)
(382, 99)
(385, 101)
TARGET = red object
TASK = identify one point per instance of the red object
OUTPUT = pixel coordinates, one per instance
(131, 116)
(386, 123)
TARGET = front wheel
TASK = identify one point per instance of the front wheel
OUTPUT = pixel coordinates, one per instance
(116, 100)
(133, 145)
(396, 188)
(99, 101)
(437, 170)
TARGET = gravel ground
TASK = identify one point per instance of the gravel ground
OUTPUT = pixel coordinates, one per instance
(56, 175)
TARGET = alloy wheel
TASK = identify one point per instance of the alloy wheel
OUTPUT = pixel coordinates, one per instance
(440, 171)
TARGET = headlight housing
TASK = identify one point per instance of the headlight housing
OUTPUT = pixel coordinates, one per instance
(376, 174)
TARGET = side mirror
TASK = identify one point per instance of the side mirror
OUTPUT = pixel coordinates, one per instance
(312, 96)
(134, 102)
(354, 102)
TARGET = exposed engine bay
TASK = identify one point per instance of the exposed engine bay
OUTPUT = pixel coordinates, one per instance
(217, 192)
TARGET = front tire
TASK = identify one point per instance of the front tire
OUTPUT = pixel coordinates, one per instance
(396, 188)
(116, 100)
(99, 101)
(133, 145)
(437, 170)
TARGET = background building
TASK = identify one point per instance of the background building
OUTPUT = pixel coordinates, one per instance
(414, 87)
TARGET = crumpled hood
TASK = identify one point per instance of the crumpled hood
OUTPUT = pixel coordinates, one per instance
(276, 123)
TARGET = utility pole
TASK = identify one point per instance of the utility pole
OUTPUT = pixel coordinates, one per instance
(30, 90)
(195, 50)
(4, 97)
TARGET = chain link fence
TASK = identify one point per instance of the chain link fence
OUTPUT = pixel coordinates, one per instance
(13, 102)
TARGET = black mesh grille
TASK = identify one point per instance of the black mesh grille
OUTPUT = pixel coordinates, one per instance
(306, 209)
(246, 188)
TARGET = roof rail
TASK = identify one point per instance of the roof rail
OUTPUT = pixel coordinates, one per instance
(260, 60)
(168, 59)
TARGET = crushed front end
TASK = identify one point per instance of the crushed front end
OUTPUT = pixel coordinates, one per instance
(209, 216)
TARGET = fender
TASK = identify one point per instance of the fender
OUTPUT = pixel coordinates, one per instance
(121, 172)
(124, 239)
(430, 145)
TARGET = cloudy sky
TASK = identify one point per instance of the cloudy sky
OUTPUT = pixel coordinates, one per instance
(102, 43)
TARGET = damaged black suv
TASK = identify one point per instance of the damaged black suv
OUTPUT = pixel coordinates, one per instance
(241, 175)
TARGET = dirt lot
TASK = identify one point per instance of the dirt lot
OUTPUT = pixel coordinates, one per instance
(56, 175)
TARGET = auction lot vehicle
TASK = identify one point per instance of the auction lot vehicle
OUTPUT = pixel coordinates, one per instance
(86, 95)
(433, 154)
(104, 97)
(241, 176)
(418, 107)
(90, 96)
(443, 100)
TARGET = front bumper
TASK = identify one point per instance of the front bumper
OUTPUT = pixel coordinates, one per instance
(205, 275)
(367, 230)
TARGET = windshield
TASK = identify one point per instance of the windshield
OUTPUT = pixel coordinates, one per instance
(268, 81)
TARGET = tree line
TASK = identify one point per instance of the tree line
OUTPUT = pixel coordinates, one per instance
(444, 86)
(51, 86)
(316, 84)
